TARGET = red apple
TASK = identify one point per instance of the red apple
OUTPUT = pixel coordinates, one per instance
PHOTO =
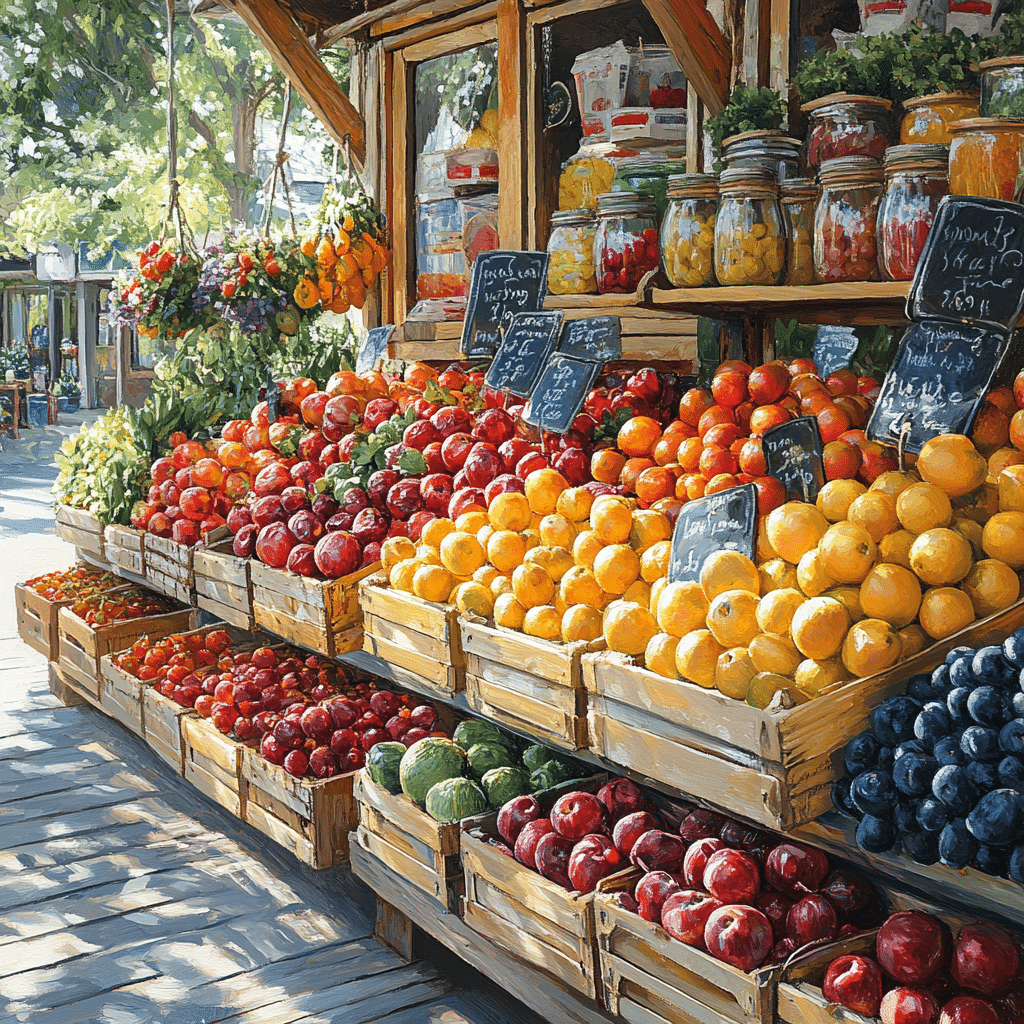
(795, 870)
(906, 1005)
(433, 459)
(780, 952)
(455, 450)
(986, 958)
(810, 919)
(338, 554)
(370, 526)
(450, 419)
(622, 797)
(630, 828)
(529, 462)
(968, 1010)
(651, 892)
(577, 814)
(855, 982)
(377, 411)
(732, 876)
(494, 426)
(696, 860)
(574, 465)
(344, 411)
(913, 947)
(594, 857)
(324, 506)
(305, 527)
(503, 484)
(436, 491)
(685, 915)
(482, 464)
(379, 484)
(658, 850)
(552, 858)
(467, 498)
(243, 546)
(516, 813)
(340, 521)
(738, 935)
(404, 499)
(417, 522)
(851, 894)
(272, 479)
(355, 500)
(775, 907)
(419, 434)
(525, 846)
(273, 545)
(512, 450)
(293, 499)
(701, 824)
(302, 561)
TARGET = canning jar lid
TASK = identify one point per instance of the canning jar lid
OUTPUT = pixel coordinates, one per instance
(735, 178)
(844, 99)
(624, 203)
(693, 184)
(859, 169)
(572, 218)
(797, 190)
(916, 151)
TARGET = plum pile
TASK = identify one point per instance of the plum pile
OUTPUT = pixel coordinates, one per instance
(939, 773)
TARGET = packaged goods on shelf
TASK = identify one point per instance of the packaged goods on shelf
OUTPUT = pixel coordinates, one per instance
(451, 233)
(471, 167)
(655, 78)
(590, 172)
(601, 76)
(636, 125)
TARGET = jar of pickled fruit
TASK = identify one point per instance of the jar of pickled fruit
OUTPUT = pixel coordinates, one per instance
(798, 198)
(571, 251)
(771, 149)
(1002, 88)
(649, 181)
(750, 240)
(688, 230)
(985, 157)
(626, 244)
(927, 118)
(844, 220)
(845, 125)
(916, 178)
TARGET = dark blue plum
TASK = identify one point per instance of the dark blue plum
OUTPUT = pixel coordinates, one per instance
(940, 682)
(860, 753)
(922, 847)
(956, 705)
(873, 792)
(1016, 865)
(886, 759)
(1013, 648)
(998, 818)
(932, 815)
(993, 860)
(954, 788)
(912, 774)
(957, 847)
(1011, 737)
(932, 723)
(841, 798)
(960, 673)
(987, 706)
(1011, 772)
(947, 751)
(1015, 704)
(920, 688)
(990, 667)
(893, 720)
(957, 653)
(980, 744)
(904, 816)
(876, 835)
(984, 775)
(911, 747)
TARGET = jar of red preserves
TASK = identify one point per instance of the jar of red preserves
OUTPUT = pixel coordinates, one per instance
(844, 221)
(916, 178)
(626, 244)
(846, 125)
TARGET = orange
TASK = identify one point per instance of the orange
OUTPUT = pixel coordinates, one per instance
(765, 685)
(638, 592)
(474, 598)
(980, 505)
(654, 560)
(606, 465)
(556, 562)
(544, 621)
(631, 472)
(992, 586)
(681, 608)
(501, 584)
(876, 513)
(776, 609)
(506, 550)
(694, 404)
(655, 483)
(461, 553)
(508, 511)
(585, 548)
(776, 574)
(835, 498)
(940, 557)
(435, 531)
(847, 552)
(819, 626)
(893, 482)
(660, 655)
(575, 503)
(923, 506)
(580, 622)
(733, 672)
(472, 521)
(578, 586)
(638, 436)
(1011, 489)
(395, 550)
(895, 548)
(508, 612)
(557, 532)
(871, 646)
(1003, 538)
(401, 574)
(616, 567)
(697, 657)
(811, 576)
(811, 676)
(763, 550)
(914, 639)
(728, 570)
(543, 486)
(991, 427)
(559, 605)
(953, 464)
(427, 555)
(972, 532)
(648, 528)
(532, 586)
(656, 588)
(611, 518)
(628, 628)
(432, 583)
(1001, 458)
(945, 611)
(776, 654)
(486, 575)
(1017, 429)
(849, 598)
(732, 617)
(795, 528)
(892, 593)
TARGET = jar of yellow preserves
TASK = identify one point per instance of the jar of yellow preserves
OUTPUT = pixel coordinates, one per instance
(750, 241)
(798, 198)
(926, 119)
(985, 157)
(571, 251)
(688, 230)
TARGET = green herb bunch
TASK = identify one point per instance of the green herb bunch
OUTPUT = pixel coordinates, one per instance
(1009, 40)
(922, 61)
(831, 71)
(748, 110)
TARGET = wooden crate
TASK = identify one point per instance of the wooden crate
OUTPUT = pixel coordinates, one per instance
(223, 584)
(320, 615)
(168, 567)
(409, 842)
(310, 817)
(799, 998)
(80, 528)
(123, 548)
(213, 763)
(37, 620)
(120, 695)
(648, 976)
(162, 727)
(419, 639)
(534, 686)
(775, 767)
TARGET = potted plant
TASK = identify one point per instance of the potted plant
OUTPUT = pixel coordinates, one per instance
(67, 392)
(748, 132)
(1002, 74)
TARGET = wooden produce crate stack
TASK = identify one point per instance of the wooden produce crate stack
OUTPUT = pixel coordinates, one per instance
(213, 763)
(409, 842)
(320, 615)
(123, 547)
(223, 584)
(81, 528)
(774, 766)
(169, 567)
(534, 686)
(419, 639)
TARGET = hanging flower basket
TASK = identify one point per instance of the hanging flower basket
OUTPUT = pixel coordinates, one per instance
(157, 299)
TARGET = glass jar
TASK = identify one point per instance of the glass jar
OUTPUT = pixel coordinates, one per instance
(571, 248)
(927, 118)
(798, 198)
(649, 181)
(750, 240)
(626, 244)
(844, 220)
(985, 157)
(916, 178)
(1002, 88)
(771, 149)
(688, 230)
(844, 125)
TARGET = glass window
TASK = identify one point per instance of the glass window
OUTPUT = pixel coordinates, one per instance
(147, 352)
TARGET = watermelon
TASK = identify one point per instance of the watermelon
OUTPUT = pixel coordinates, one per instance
(535, 756)
(473, 731)
(454, 799)
(382, 764)
(554, 773)
(502, 784)
(427, 762)
(483, 757)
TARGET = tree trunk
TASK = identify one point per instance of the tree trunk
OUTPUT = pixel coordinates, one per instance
(243, 132)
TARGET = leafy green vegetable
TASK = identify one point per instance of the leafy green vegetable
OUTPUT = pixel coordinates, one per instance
(748, 110)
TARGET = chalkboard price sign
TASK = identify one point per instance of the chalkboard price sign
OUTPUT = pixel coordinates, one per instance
(792, 452)
(503, 283)
(726, 520)
(596, 338)
(559, 393)
(374, 348)
(937, 382)
(833, 349)
(524, 349)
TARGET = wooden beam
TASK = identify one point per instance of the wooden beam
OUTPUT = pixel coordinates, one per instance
(698, 44)
(293, 53)
(512, 58)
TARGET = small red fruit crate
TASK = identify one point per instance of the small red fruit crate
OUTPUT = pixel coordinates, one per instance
(534, 686)
(169, 567)
(213, 763)
(223, 584)
(81, 528)
(123, 548)
(408, 841)
(419, 639)
(648, 975)
(319, 615)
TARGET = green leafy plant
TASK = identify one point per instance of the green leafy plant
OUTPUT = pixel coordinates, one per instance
(14, 358)
(748, 110)
(1006, 99)
(1009, 40)
(922, 61)
(66, 387)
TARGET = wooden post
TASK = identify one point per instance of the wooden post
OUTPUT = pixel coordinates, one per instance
(394, 929)
(512, 118)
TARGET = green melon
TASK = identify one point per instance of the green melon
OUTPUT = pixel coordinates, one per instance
(455, 799)
(427, 762)
(473, 731)
(483, 757)
(535, 756)
(382, 764)
(502, 784)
